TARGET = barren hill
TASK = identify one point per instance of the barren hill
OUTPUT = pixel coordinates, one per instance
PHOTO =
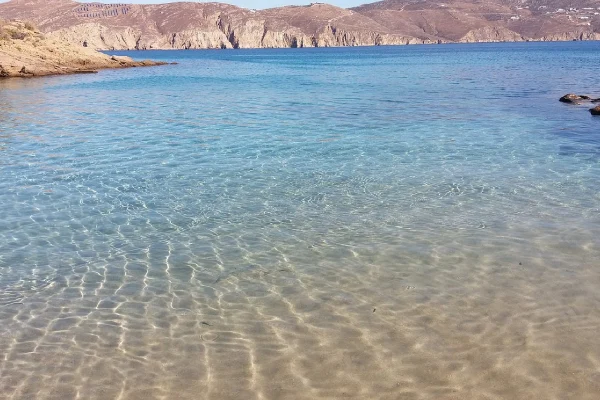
(216, 25)
(489, 20)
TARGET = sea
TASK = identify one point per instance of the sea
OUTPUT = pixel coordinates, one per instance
(413, 222)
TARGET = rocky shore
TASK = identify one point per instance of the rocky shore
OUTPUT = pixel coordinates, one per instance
(26, 52)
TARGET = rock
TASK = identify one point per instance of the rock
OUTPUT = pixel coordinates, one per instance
(121, 59)
(491, 34)
(573, 98)
(595, 110)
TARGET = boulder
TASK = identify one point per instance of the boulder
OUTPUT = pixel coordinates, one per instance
(573, 98)
(25, 71)
(121, 59)
(595, 110)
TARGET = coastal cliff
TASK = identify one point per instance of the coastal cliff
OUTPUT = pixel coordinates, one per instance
(389, 22)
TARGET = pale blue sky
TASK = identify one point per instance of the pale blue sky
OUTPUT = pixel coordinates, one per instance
(253, 3)
(277, 3)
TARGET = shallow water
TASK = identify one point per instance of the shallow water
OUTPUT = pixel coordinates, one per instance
(371, 223)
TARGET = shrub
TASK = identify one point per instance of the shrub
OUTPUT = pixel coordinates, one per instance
(18, 35)
(30, 27)
(3, 34)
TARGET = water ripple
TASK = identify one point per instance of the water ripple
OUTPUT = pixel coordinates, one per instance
(418, 222)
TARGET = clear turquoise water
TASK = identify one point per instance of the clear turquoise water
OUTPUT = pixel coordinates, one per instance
(413, 222)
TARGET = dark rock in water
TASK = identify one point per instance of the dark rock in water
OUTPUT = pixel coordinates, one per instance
(595, 110)
(573, 98)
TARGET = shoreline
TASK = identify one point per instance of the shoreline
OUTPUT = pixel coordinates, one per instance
(4, 74)
(348, 47)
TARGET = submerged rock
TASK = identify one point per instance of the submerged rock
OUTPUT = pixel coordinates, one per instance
(595, 110)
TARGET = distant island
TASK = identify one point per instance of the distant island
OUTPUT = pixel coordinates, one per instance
(389, 22)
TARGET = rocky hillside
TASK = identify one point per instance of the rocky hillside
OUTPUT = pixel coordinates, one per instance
(389, 22)
(489, 20)
(26, 52)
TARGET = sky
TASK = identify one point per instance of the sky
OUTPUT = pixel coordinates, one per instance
(277, 3)
(258, 4)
